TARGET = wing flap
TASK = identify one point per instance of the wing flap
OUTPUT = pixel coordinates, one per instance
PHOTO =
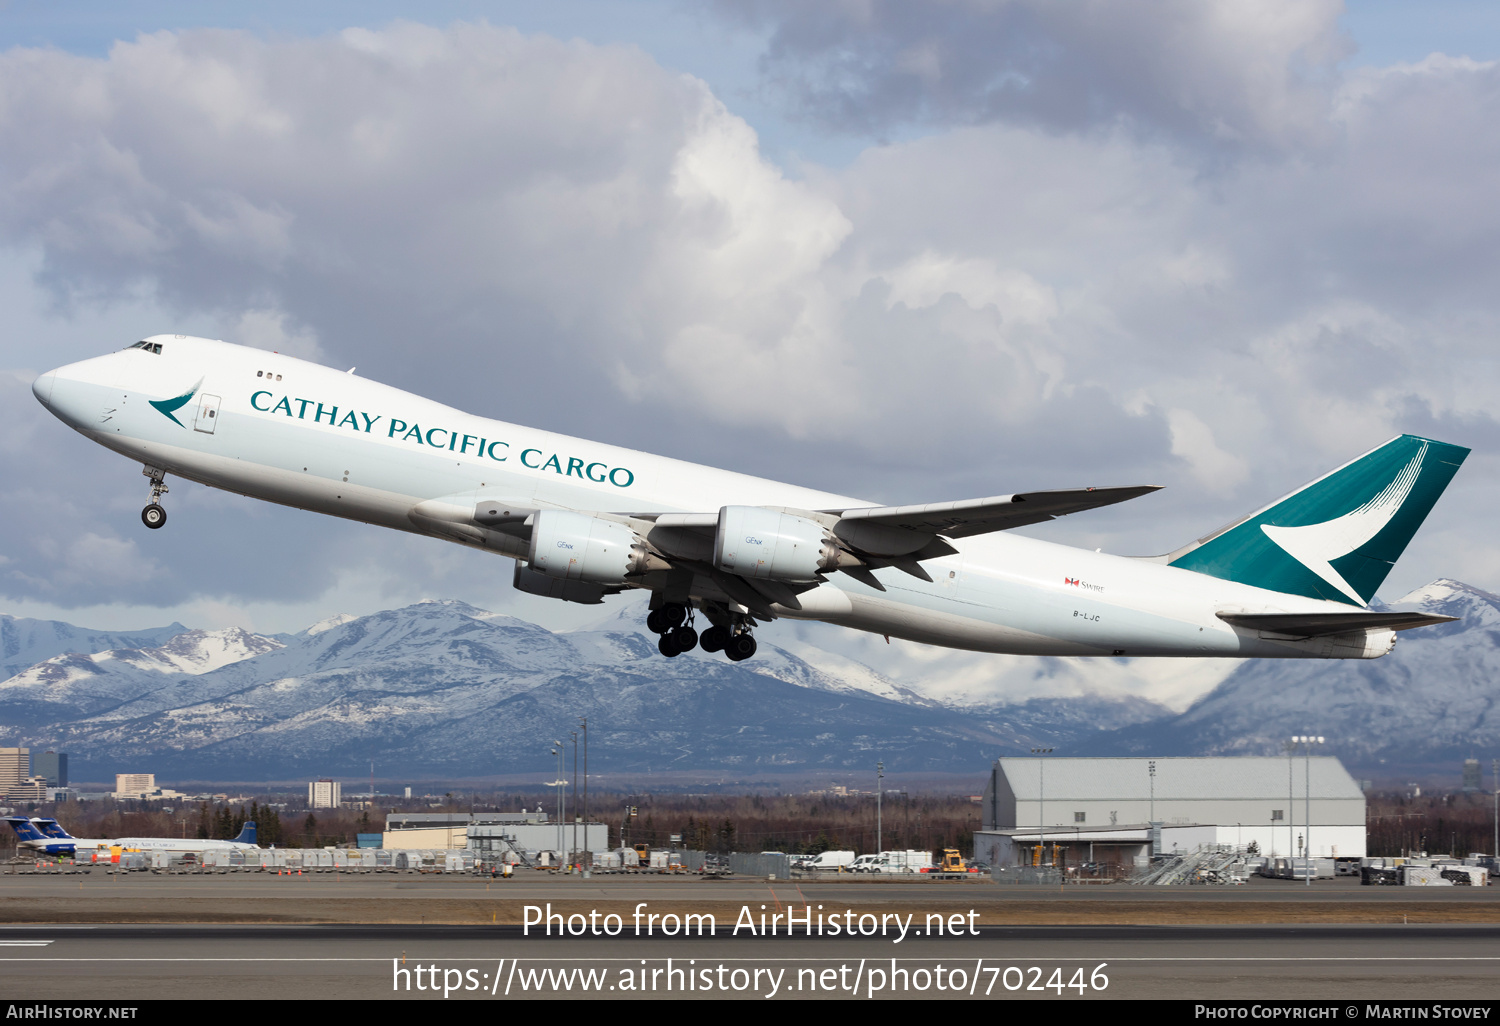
(1317, 625)
(998, 513)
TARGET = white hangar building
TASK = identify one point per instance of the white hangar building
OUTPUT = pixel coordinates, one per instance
(1104, 809)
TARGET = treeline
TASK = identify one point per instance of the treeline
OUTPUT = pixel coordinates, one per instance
(1452, 824)
(216, 820)
(796, 824)
(315, 830)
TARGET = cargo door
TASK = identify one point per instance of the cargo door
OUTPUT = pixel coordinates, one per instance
(208, 414)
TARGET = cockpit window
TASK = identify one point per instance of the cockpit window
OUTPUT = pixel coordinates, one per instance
(150, 347)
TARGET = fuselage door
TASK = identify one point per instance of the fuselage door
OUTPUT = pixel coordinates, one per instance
(208, 414)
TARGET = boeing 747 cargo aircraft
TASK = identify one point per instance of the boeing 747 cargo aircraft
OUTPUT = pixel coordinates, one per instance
(584, 520)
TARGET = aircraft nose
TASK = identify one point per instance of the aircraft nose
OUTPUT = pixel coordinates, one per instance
(42, 387)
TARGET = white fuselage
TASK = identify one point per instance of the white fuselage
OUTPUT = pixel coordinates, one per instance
(80, 846)
(296, 433)
(180, 845)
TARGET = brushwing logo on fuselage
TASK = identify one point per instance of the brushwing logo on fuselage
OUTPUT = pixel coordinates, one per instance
(169, 407)
(1316, 546)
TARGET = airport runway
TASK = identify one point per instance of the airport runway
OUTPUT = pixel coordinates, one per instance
(1356, 965)
(262, 898)
(254, 935)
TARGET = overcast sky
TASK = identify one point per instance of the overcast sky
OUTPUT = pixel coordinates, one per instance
(907, 252)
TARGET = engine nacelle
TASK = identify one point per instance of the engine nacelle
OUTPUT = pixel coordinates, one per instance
(768, 545)
(577, 547)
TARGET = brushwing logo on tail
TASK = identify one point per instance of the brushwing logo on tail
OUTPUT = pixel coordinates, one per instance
(1335, 538)
(1316, 546)
(169, 407)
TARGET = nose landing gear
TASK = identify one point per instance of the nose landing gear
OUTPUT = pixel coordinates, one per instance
(153, 516)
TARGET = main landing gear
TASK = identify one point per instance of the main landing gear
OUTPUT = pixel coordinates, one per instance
(737, 647)
(153, 516)
(672, 622)
(677, 634)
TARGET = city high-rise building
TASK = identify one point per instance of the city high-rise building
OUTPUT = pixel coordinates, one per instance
(323, 794)
(133, 785)
(15, 767)
(1471, 775)
(53, 767)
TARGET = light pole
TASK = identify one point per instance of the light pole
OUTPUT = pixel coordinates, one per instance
(879, 789)
(1041, 792)
(583, 723)
(575, 794)
(1495, 766)
(1307, 741)
(559, 783)
(1291, 801)
(1151, 834)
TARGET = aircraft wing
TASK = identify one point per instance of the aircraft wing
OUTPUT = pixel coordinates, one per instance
(999, 513)
(868, 537)
(958, 519)
(1316, 625)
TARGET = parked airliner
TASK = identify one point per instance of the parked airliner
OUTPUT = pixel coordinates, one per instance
(585, 520)
(49, 837)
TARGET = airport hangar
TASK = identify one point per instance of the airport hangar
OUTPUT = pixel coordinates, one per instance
(486, 831)
(1104, 809)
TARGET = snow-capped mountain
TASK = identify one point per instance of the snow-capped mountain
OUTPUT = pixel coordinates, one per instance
(1430, 703)
(446, 688)
(443, 688)
(25, 642)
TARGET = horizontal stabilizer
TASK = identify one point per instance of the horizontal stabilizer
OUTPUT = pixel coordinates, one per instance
(999, 513)
(1316, 625)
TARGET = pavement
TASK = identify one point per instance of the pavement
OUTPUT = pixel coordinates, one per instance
(141, 936)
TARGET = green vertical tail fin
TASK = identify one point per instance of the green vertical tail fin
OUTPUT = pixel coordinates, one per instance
(1337, 537)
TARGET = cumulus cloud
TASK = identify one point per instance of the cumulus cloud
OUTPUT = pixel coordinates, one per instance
(1215, 71)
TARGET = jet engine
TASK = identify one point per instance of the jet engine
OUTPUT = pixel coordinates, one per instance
(577, 547)
(765, 544)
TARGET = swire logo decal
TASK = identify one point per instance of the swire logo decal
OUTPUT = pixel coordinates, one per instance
(169, 407)
(1085, 585)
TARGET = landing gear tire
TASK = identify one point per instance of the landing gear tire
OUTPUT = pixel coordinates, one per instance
(666, 646)
(684, 638)
(714, 639)
(153, 516)
(740, 647)
(663, 619)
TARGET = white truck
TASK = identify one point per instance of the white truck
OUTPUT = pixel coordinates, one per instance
(828, 860)
(909, 861)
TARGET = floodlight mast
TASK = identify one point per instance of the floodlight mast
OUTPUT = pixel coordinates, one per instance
(583, 723)
(575, 797)
(561, 783)
(1307, 741)
(1152, 834)
(1041, 791)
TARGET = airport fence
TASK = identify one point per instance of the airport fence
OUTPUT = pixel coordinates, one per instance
(762, 864)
